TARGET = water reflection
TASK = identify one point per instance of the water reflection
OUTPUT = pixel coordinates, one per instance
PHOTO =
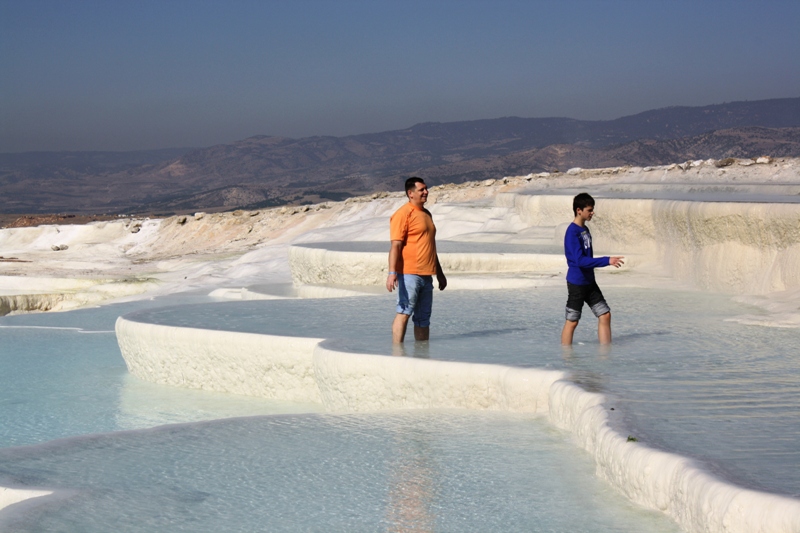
(418, 349)
(412, 487)
(582, 367)
(631, 337)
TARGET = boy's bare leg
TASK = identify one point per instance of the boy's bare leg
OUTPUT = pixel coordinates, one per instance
(399, 328)
(567, 332)
(422, 334)
(604, 328)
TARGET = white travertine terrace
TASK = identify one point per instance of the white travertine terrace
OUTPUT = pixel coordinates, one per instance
(311, 266)
(724, 246)
(364, 382)
(27, 294)
(297, 368)
(108, 260)
(12, 495)
(240, 363)
(666, 482)
(746, 248)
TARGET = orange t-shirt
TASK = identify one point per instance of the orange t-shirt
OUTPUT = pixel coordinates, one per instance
(414, 226)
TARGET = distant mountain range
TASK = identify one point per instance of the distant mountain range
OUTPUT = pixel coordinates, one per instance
(262, 171)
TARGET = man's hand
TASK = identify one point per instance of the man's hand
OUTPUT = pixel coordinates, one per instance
(616, 261)
(440, 277)
(391, 282)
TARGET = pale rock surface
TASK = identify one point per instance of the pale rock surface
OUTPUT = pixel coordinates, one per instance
(240, 363)
(748, 249)
(11, 495)
(292, 368)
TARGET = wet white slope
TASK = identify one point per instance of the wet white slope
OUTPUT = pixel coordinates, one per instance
(744, 249)
(346, 382)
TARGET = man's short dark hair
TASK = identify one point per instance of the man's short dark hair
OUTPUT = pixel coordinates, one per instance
(582, 201)
(411, 183)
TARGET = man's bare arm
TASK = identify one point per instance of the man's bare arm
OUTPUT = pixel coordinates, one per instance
(395, 252)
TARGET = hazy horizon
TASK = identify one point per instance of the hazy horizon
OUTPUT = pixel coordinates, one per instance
(99, 76)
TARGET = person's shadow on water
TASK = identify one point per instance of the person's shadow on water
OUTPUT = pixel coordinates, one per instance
(421, 349)
(479, 333)
(626, 338)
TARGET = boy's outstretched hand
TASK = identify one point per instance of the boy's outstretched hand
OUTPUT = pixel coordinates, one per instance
(616, 261)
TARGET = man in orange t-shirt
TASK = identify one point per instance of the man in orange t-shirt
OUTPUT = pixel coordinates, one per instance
(413, 262)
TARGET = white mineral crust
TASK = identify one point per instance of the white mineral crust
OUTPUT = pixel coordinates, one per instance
(749, 249)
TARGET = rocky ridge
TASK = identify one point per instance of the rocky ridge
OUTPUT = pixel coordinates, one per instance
(263, 171)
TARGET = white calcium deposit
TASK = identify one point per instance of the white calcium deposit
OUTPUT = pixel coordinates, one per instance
(240, 363)
(296, 368)
(746, 248)
(666, 482)
(311, 266)
(12, 495)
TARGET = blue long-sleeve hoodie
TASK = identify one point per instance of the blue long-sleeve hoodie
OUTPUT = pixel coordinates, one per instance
(580, 257)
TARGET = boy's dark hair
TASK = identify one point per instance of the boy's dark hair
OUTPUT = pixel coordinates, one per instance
(410, 183)
(581, 201)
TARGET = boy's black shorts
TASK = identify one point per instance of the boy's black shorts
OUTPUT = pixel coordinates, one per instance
(591, 295)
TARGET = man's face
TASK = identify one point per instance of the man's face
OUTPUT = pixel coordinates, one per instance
(586, 213)
(419, 194)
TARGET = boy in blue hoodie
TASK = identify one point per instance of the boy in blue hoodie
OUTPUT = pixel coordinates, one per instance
(580, 275)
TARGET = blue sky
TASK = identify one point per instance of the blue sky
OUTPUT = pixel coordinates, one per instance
(130, 75)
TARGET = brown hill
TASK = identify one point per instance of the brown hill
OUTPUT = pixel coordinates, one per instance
(739, 143)
(261, 171)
